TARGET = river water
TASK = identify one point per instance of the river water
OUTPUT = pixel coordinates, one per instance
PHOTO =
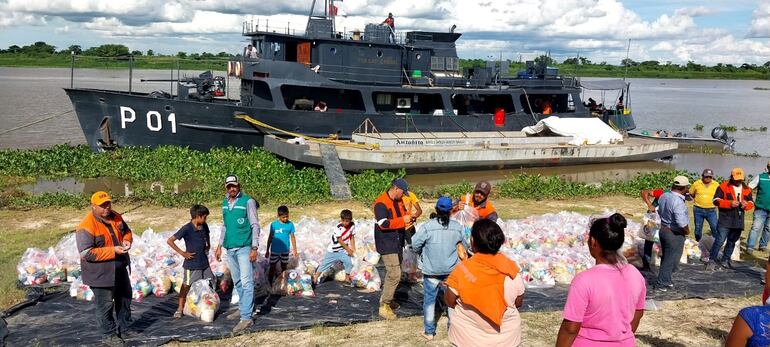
(30, 94)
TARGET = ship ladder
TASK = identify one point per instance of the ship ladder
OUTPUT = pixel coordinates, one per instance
(259, 124)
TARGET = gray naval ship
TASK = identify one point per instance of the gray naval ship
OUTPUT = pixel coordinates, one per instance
(327, 82)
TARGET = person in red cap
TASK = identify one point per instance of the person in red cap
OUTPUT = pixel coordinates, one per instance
(480, 201)
(733, 198)
(103, 241)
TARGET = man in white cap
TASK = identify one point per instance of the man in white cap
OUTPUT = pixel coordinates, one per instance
(240, 236)
(760, 183)
(674, 227)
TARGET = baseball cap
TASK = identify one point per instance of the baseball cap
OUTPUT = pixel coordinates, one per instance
(707, 173)
(681, 181)
(401, 184)
(444, 204)
(483, 187)
(232, 179)
(737, 174)
(99, 198)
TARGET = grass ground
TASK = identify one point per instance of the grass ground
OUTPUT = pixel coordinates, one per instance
(697, 322)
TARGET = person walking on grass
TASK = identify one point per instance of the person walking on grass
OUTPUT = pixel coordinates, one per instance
(485, 292)
(240, 236)
(197, 244)
(605, 303)
(437, 243)
(674, 228)
(760, 227)
(391, 218)
(733, 197)
(103, 240)
(702, 192)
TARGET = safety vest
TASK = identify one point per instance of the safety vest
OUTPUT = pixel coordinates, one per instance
(237, 226)
(763, 192)
(484, 209)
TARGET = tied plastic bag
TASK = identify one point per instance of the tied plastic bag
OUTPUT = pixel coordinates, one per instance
(466, 217)
(33, 265)
(650, 227)
(161, 284)
(371, 256)
(365, 275)
(202, 301)
(80, 291)
(409, 266)
(299, 284)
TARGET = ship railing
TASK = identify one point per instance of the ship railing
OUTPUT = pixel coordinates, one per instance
(261, 26)
(252, 27)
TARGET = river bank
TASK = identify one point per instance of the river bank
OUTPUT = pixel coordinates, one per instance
(44, 227)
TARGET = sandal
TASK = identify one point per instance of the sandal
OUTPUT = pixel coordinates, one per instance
(177, 315)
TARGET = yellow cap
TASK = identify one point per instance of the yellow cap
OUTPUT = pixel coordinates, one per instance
(737, 174)
(100, 197)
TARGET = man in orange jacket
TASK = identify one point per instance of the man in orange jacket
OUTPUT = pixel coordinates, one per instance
(103, 240)
(733, 198)
(391, 217)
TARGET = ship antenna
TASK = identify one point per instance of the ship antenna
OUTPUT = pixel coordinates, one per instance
(626, 63)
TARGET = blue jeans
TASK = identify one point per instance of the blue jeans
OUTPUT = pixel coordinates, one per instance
(760, 223)
(332, 257)
(432, 292)
(243, 278)
(709, 214)
(672, 246)
(723, 234)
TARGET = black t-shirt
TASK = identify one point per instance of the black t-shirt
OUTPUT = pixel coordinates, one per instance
(195, 241)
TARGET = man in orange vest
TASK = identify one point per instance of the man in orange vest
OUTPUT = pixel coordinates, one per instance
(391, 217)
(103, 240)
(480, 202)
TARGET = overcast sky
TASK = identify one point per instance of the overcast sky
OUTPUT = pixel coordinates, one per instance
(707, 32)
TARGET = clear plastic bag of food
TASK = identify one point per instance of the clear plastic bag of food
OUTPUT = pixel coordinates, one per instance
(365, 275)
(650, 227)
(202, 301)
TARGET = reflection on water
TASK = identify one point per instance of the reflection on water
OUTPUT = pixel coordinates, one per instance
(692, 162)
(115, 186)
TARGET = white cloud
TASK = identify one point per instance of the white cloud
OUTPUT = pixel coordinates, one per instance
(760, 22)
(696, 11)
(597, 29)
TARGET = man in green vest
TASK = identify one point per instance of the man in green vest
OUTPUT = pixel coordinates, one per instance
(760, 183)
(240, 236)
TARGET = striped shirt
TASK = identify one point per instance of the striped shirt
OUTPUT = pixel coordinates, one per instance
(343, 234)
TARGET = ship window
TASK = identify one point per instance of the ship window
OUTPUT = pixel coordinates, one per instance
(469, 104)
(559, 103)
(452, 64)
(437, 63)
(379, 54)
(262, 96)
(418, 56)
(336, 99)
(383, 98)
(333, 50)
(414, 103)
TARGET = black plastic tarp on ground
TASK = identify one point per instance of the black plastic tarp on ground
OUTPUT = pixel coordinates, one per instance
(58, 320)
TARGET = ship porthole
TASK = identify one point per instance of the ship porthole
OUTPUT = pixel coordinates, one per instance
(333, 50)
(418, 56)
(379, 54)
(168, 107)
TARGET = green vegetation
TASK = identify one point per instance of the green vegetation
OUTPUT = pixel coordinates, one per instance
(268, 178)
(728, 127)
(762, 129)
(647, 69)
(698, 127)
(41, 54)
(761, 88)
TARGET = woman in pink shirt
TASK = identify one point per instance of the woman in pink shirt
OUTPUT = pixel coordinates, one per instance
(605, 303)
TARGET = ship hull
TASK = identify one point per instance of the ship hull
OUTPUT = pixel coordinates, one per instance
(110, 118)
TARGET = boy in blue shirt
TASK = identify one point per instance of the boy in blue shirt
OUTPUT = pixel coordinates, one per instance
(197, 244)
(278, 246)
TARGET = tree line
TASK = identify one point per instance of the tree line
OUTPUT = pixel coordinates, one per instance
(41, 48)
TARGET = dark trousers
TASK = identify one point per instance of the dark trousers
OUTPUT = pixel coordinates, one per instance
(647, 255)
(731, 235)
(672, 246)
(114, 302)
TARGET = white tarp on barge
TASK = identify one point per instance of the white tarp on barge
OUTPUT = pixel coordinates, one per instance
(584, 131)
